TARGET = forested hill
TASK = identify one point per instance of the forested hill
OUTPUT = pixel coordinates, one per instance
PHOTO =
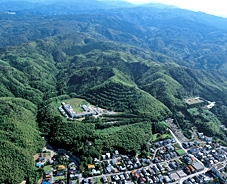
(139, 61)
(186, 36)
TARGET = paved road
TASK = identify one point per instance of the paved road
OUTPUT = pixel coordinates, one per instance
(191, 175)
(177, 140)
(51, 150)
(180, 181)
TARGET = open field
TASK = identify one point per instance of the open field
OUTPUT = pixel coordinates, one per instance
(180, 152)
(59, 177)
(47, 168)
(75, 103)
(191, 101)
(158, 137)
(97, 180)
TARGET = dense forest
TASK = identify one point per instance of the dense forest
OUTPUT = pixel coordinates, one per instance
(139, 61)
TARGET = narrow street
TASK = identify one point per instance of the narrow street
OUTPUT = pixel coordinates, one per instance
(191, 175)
(51, 150)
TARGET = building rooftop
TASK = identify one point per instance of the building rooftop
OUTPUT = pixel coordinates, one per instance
(219, 166)
(174, 176)
(198, 166)
(181, 173)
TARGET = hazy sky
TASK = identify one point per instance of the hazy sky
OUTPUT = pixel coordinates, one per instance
(215, 7)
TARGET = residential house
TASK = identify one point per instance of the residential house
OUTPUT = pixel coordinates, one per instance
(136, 175)
(41, 159)
(188, 159)
(104, 178)
(151, 171)
(167, 156)
(152, 150)
(160, 177)
(95, 172)
(116, 152)
(173, 154)
(72, 182)
(173, 165)
(191, 168)
(107, 155)
(155, 179)
(85, 181)
(116, 177)
(156, 170)
(160, 167)
(169, 147)
(185, 145)
(193, 150)
(142, 180)
(58, 173)
(45, 182)
(166, 179)
(196, 144)
(146, 161)
(208, 139)
(126, 176)
(121, 168)
(91, 166)
(187, 170)
(156, 160)
(217, 169)
(110, 168)
(173, 140)
(144, 171)
(122, 177)
(200, 135)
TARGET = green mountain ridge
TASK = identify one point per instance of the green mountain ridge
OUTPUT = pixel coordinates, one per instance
(141, 62)
(120, 95)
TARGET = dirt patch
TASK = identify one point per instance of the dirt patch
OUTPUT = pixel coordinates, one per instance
(36, 156)
(40, 181)
(191, 101)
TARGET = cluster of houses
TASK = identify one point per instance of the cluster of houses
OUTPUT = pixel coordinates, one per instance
(147, 176)
(133, 163)
(40, 161)
(209, 153)
(217, 171)
(165, 150)
(69, 112)
(60, 173)
(202, 137)
(200, 179)
(164, 142)
(167, 165)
